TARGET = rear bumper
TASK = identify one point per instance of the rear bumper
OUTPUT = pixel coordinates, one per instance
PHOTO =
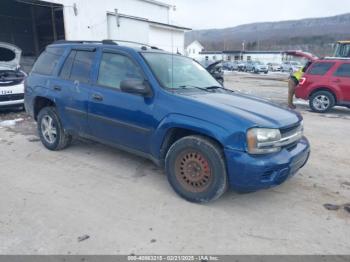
(251, 173)
(301, 93)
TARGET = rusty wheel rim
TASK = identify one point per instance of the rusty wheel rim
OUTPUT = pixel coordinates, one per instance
(193, 171)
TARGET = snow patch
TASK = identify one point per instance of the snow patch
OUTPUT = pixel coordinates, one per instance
(9, 123)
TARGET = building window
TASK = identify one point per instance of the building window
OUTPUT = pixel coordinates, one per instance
(206, 58)
(249, 58)
(214, 57)
(228, 58)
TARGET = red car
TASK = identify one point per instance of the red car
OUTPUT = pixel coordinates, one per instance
(326, 83)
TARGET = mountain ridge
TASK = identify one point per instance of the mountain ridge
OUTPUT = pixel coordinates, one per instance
(316, 35)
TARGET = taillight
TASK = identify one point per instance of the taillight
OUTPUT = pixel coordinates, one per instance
(302, 81)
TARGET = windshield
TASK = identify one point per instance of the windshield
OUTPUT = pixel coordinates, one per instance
(176, 72)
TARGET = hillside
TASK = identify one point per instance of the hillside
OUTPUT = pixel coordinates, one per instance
(316, 35)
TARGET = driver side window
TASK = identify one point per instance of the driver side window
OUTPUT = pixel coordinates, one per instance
(115, 68)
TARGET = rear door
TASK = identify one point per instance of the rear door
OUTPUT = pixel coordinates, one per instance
(74, 87)
(116, 117)
(341, 78)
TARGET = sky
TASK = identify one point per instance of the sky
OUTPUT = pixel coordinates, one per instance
(205, 14)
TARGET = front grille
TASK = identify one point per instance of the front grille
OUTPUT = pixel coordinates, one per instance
(289, 130)
(11, 97)
(267, 175)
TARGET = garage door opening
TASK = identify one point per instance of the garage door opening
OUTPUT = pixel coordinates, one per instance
(31, 25)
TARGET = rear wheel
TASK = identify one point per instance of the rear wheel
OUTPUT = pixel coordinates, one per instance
(196, 169)
(322, 101)
(51, 131)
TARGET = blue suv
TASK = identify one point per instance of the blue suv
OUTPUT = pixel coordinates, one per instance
(166, 108)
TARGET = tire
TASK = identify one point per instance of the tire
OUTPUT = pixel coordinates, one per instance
(54, 138)
(321, 101)
(196, 169)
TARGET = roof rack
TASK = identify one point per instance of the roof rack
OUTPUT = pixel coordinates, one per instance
(336, 58)
(143, 46)
(58, 42)
(107, 42)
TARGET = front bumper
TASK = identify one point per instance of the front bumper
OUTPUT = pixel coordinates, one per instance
(250, 173)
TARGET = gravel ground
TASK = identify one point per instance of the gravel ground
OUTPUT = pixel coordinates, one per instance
(92, 199)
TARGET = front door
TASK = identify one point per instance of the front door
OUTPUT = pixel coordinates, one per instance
(341, 78)
(114, 116)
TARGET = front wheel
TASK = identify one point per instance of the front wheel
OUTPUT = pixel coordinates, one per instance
(51, 131)
(196, 169)
(322, 101)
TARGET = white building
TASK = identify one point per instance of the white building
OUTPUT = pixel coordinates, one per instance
(208, 57)
(39, 23)
(194, 49)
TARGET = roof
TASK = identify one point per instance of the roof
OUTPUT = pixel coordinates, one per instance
(151, 21)
(251, 52)
(121, 44)
(196, 42)
(344, 42)
(211, 52)
(157, 3)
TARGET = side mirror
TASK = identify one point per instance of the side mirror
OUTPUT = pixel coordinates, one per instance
(136, 86)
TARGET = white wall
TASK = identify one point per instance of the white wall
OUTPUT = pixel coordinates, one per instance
(94, 23)
(193, 50)
(129, 29)
(91, 21)
(167, 39)
(266, 58)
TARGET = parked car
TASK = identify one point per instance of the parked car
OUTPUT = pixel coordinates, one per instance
(257, 67)
(169, 109)
(242, 66)
(11, 76)
(326, 84)
(215, 69)
(291, 66)
(274, 67)
(230, 66)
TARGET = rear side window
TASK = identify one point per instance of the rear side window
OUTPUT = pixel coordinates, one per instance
(343, 71)
(77, 66)
(48, 60)
(320, 68)
(67, 66)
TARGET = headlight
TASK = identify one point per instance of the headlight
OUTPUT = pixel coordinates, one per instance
(263, 140)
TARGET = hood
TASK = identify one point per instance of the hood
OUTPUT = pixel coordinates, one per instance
(10, 56)
(258, 112)
(302, 54)
(213, 65)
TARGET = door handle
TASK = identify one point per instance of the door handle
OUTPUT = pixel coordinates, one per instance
(57, 88)
(97, 97)
(336, 81)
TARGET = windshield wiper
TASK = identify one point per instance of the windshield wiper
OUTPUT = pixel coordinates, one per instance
(213, 87)
(197, 87)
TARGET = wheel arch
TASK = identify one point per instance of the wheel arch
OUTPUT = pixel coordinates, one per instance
(176, 127)
(39, 103)
(324, 88)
